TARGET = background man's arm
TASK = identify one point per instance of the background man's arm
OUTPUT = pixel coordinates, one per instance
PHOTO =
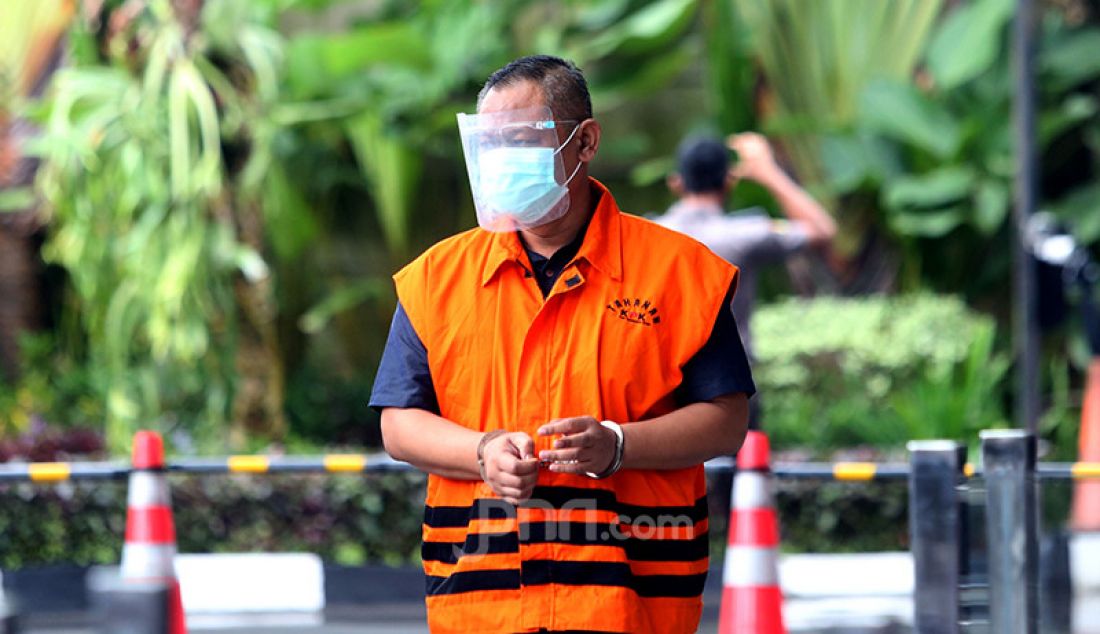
(757, 163)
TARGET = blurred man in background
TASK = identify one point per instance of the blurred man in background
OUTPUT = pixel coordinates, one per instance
(749, 239)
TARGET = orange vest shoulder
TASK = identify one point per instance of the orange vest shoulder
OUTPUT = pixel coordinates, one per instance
(448, 264)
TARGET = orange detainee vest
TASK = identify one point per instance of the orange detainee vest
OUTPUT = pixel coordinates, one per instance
(627, 553)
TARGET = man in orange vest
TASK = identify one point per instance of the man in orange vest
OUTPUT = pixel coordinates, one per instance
(561, 373)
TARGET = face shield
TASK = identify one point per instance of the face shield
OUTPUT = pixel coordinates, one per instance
(514, 161)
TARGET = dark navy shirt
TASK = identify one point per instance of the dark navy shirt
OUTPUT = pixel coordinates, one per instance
(404, 380)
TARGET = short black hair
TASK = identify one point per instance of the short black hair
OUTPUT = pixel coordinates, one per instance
(561, 81)
(703, 164)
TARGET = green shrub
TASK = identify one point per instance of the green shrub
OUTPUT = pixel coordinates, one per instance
(842, 517)
(55, 388)
(836, 372)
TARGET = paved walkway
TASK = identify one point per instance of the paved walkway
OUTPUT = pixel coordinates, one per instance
(398, 618)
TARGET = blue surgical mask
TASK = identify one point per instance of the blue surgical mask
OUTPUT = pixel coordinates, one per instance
(519, 182)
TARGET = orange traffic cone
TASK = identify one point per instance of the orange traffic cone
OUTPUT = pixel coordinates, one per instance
(1086, 494)
(150, 548)
(751, 599)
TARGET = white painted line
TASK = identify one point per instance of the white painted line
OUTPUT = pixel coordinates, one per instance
(269, 621)
(847, 613)
(855, 575)
(1084, 562)
(255, 583)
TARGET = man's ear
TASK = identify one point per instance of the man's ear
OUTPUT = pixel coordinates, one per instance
(675, 183)
(590, 140)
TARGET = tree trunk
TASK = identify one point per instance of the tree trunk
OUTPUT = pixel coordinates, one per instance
(258, 399)
(19, 264)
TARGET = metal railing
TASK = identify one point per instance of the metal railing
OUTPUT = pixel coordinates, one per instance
(46, 472)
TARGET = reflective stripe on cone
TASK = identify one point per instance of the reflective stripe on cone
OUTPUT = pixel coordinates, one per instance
(148, 562)
(752, 490)
(147, 488)
(748, 567)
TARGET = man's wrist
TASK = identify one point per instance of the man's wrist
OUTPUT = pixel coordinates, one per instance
(485, 439)
(617, 455)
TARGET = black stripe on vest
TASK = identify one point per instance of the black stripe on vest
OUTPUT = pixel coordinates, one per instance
(460, 516)
(575, 573)
(604, 500)
(472, 581)
(475, 544)
(596, 573)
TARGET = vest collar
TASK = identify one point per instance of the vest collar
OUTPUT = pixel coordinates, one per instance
(602, 246)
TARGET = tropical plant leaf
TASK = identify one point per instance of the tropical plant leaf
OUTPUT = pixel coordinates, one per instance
(16, 199)
(1070, 60)
(901, 112)
(851, 160)
(340, 300)
(392, 167)
(937, 188)
(1080, 210)
(730, 72)
(1073, 111)
(969, 42)
(291, 224)
(317, 62)
(618, 88)
(818, 57)
(599, 15)
(990, 206)
(652, 171)
(927, 224)
(145, 220)
(644, 30)
(29, 31)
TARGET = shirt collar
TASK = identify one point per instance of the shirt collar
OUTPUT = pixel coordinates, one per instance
(602, 247)
(682, 208)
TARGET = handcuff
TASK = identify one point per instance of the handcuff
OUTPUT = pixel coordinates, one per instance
(617, 463)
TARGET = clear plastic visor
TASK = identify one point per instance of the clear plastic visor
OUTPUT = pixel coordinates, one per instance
(528, 134)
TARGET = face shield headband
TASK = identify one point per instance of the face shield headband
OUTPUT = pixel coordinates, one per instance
(516, 172)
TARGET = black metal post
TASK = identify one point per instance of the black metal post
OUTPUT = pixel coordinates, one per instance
(1025, 323)
(1056, 585)
(1012, 525)
(936, 522)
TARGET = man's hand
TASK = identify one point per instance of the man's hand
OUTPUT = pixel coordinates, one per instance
(511, 469)
(755, 160)
(585, 445)
(757, 163)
